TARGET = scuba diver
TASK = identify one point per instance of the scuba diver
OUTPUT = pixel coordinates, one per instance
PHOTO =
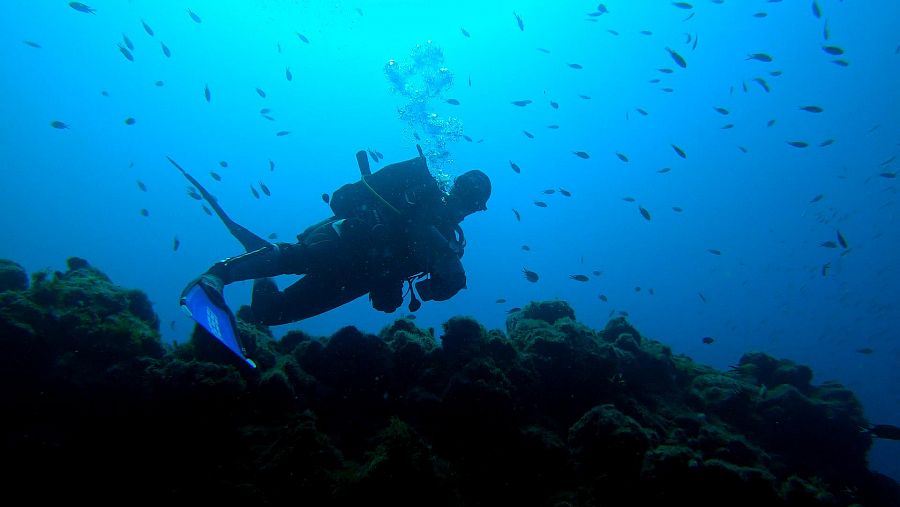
(392, 227)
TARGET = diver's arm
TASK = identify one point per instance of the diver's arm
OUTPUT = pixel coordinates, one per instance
(442, 259)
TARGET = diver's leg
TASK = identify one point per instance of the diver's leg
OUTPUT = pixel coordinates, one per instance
(311, 295)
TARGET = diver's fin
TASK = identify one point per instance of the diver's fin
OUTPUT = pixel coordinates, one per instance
(249, 240)
(213, 315)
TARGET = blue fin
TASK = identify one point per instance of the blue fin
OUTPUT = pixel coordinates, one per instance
(215, 317)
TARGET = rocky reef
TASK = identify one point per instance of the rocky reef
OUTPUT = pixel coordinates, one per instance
(546, 412)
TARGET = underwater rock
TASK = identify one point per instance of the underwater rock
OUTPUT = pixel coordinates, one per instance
(12, 276)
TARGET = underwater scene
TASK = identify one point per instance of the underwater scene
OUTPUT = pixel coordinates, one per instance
(451, 253)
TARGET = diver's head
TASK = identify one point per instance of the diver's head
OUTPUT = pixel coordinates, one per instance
(469, 193)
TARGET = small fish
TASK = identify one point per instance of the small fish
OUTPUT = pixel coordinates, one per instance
(514, 310)
(668, 90)
(261, 93)
(565, 192)
(827, 142)
(147, 28)
(585, 97)
(191, 191)
(325, 198)
(842, 240)
(603, 298)
(644, 212)
(798, 144)
(542, 50)
(610, 30)
(549, 191)
(32, 44)
(540, 204)
(714, 251)
(264, 188)
(206, 93)
(287, 74)
(193, 16)
(515, 167)
(130, 121)
(553, 126)
(816, 10)
(812, 109)
(519, 22)
(500, 301)
(825, 268)
(521, 103)
(582, 154)
(888, 175)
(679, 151)
(683, 5)
(175, 244)
(165, 49)
(127, 54)
(531, 276)
(58, 125)
(643, 112)
(833, 50)
(677, 209)
(628, 199)
(271, 165)
(144, 212)
(464, 32)
(159, 83)
(829, 244)
(579, 278)
(761, 57)
(518, 216)
(840, 62)
(760, 14)
(721, 110)
(622, 157)
(817, 198)
(702, 297)
(637, 289)
(223, 164)
(528, 134)
(254, 192)
(273, 235)
(707, 340)
(452, 102)
(215, 176)
(80, 7)
(302, 37)
(770, 123)
(526, 248)
(554, 105)
(268, 117)
(743, 150)
(825, 31)
(646, 32)
(664, 170)
(206, 210)
(127, 42)
(282, 133)
(467, 138)
(678, 58)
(727, 126)
(665, 70)
(576, 66)
(141, 185)
(762, 82)
(865, 350)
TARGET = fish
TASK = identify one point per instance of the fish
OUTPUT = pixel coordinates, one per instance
(515, 167)
(707, 340)
(528, 134)
(175, 244)
(644, 212)
(744, 150)
(521, 103)
(762, 82)
(817, 198)
(825, 268)
(129, 121)
(825, 32)
(467, 138)
(576, 66)
(273, 235)
(865, 350)
(678, 58)
(714, 251)
(582, 154)
(603, 298)
(464, 32)
(127, 54)
(610, 30)
(206, 210)
(554, 105)
(141, 185)
(643, 112)
(760, 57)
(518, 216)
(223, 163)
(722, 110)
(147, 28)
(206, 93)
(452, 102)
(540, 204)
(665, 70)
(664, 170)
(702, 297)
(127, 42)
(165, 50)
(549, 191)
(58, 124)
(667, 90)
(500, 301)
(812, 109)
(526, 248)
(302, 37)
(215, 176)
(727, 126)
(842, 240)
(264, 188)
(833, 50)
(191, 191)
(514, 310)
(565, 192)
(325, 198)
(553, 126)
(798, 144)
(628, 199)
(254, 192)
(80, 7)
(646, 32)
(816, 10)
(677, 209)
(194, 16)
(531, 276)
(287, 74)
(585, 97)
(519, 21)
(683, 5)
(261, 93)
(760, 14)
(679, 151)
(637, 289)
(159, 83)
(271, 165)
(827, 142)
(770, 123)
(889, 175)
(282, 133)
(622, 157)
(32, 44)
(579, 278)
(542, 50)
(840, 62)
(144, 212)
(829, 244)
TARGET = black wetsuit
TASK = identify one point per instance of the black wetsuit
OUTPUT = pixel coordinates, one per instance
(390, 226)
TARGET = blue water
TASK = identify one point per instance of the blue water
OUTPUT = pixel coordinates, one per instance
(74, 192)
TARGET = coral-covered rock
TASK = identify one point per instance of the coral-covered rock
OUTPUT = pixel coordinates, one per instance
(12, 276)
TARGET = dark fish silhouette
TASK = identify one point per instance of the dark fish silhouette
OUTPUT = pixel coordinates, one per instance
(254, 192)
(841, 240)
(721, 110)
(833, 50)
(206, 93)
(141, 185)
(32, 44)
(825, 268)
(762, 82)
(264, 188)
(528, 134)
(643, 112)
(526, 248)
(565, 192)
(144, 212)
(127, 42)
(274, 235)
(816, 10)
(676, 209)
(531, 276)
(798, 144)
(622, 157)
(829, 244)
(282, 133)
(540, 204)
(130, 121)
(500, 301)
(518, 216)
(707, 340)
(223, 163)
(325, 198)
(147, 28)
(464, 32)
(261, 93)
(215, 176)
(579, 278)
(80, 7)
(554, 105)
(175, 244)
(519, 22)
(582, 154)
(628, 199)
(679, 151)
(761, 57)
(452, 102)
(165, 50)
(127, 54)
(817, 198)
(193, 16)
(603, 298)
(575, 66)
(714, 251)
(827, 142)
(58, 124)
(287, 74)
(302, 37)
(644, 212)
(515, 167)
(678, 58)
(664, 170)
(702, 297)
(521, 103)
